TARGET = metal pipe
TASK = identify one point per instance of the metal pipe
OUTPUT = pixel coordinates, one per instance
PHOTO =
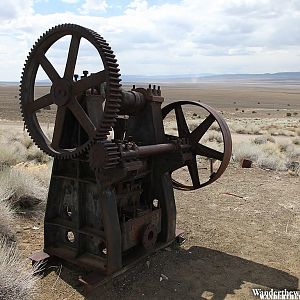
(150, 150)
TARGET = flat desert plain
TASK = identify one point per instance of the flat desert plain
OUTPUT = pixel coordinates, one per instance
(241, 232)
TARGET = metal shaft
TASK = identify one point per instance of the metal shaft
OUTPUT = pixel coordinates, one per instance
(144, 151)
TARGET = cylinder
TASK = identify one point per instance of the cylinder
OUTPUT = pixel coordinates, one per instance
(132, 102)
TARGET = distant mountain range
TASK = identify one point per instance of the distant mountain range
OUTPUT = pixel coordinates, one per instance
(194, 78)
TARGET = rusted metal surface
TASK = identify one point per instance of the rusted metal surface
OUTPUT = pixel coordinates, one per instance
(197, 147)
(246, 163)
(68, 94)
(111, 201)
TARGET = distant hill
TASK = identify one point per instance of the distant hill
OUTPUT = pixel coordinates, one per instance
(194, 78)
(293, 77)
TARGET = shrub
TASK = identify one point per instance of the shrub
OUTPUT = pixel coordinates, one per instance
(6, 220)
(35, 154)
(215, 126)
(272, 163)
(288, 114)
(260, 140)
(26, 140)
(8, 157)
(283, 145)
(292, 152)
(296, 141)
(266, 155)
(212, 136)
(244, 150)
(270, 139)
(22, 190)
(247, 129)
(16, 282)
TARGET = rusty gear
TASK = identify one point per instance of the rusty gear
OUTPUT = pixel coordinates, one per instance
(103, 155)
(65, 92)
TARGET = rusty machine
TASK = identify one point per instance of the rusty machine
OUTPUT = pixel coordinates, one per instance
(111, 200)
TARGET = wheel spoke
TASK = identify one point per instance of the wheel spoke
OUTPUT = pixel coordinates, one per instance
(209, 152)
(183, 130)
(72, 57)
(58, 128)
(48, 68)
(82, 117)
(40, 103)
(198, 133)
(193, 169)
(89, 82)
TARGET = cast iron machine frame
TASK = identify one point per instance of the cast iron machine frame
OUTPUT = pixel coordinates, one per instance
(110, 201)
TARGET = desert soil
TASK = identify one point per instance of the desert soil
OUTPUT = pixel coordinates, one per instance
(243, 231)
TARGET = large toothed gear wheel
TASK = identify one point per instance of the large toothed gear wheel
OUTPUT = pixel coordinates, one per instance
(66, 93)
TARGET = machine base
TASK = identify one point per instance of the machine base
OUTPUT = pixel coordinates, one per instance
(95, 279)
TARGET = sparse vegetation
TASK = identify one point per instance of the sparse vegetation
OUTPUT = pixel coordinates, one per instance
(267, 153)
(296, 141)
(212, 136)
(6, 220)
(259, 145)
(246, 129)
(22, 190)
(16, 281)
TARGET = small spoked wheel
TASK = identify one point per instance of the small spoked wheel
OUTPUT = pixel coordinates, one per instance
(194, 137)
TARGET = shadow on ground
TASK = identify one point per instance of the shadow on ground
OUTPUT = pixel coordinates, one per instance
(196, 273)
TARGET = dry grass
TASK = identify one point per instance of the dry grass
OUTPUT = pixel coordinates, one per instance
(18, 147)
(16, 281)
(245, 129)
(6, 220)
(296, 141)
(22, 190)
(268, 154)
(212, 136)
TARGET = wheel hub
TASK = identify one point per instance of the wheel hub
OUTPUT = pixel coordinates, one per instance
(61, 92)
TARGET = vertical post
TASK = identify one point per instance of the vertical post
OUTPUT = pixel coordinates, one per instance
(112, 229)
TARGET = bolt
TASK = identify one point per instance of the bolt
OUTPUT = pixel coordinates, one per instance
(133, 87)
(159, 91)
(85, 73)
(76, 77)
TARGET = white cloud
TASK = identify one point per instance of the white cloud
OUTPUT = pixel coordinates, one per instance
(15, 9)
(192, 36)
(70, 1)
(92, 6)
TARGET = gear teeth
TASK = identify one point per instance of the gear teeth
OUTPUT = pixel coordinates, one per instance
(110, 156)
(113, 87)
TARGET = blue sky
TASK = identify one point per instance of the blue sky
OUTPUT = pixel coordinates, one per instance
(114, 8)
(163, 37)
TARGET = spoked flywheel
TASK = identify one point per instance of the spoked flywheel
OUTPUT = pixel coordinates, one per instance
(66, 92)
(198, 149)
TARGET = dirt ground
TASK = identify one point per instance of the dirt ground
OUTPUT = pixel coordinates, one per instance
(233, 243)
(243, 231)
